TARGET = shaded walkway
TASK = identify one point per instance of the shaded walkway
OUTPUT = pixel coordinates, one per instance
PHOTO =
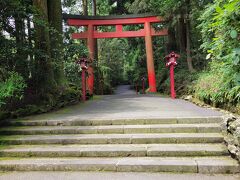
(125, 104)
(124, 90)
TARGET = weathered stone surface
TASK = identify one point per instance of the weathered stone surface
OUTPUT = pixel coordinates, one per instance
(186, 150)
(233, 149)
(122, 121)
(237, 136)
(177, 138)
(130, 164)
(115, 138)
(113, 129)
(156, 165)
(59, 165)
(217, 165)
(190, 120)
(188, 98)
(133, 129)
(234, 125)
(115, 150)
(238, 155)
(185, 128)
(231, 132)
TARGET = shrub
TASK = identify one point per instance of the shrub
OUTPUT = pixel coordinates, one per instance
(220, 27)
(219, 86)
(11, 88)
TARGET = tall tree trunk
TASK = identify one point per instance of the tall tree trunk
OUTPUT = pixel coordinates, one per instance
(188, 49)
(85, 13)
(181, 33)
(56, 40)
(85, 7)
(21, 57)
(30, 45)
(94, 7)
(43, 76)
(171, 44)
(94, 13)
(29, 30)
(188, 46)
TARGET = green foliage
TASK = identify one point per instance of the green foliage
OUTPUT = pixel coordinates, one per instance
(110, 65)
(218, 86)
(220, 29)
(11, 88)
(131, 72)
(72, 72)
(72, 52)
(33, 57)
(70, 95)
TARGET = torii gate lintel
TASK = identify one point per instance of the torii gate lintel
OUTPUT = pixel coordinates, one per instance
(118, 21)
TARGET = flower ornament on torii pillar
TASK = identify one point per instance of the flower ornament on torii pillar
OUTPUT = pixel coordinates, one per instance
(91, 22)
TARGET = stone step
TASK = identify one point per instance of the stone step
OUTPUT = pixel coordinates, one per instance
(96, 122)
(115, 150)
(117, 129)
(127, 164)
(114, 138)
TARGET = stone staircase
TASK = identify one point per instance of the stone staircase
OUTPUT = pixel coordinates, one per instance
(179, 145)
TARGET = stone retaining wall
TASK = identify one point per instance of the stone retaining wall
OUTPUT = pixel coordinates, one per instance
(231, 131)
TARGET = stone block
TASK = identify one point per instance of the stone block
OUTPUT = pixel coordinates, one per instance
(220, 165)
(157, 165)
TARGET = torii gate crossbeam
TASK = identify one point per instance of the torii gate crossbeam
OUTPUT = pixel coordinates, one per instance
(118, 21)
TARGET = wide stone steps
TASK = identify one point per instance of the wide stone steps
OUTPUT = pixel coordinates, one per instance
(148, 138)
(125, 164)
(96, 122)
(116, 129)
(116, 150)
(181, 145)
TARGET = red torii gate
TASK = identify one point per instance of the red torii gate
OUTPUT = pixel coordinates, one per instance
(118, 21)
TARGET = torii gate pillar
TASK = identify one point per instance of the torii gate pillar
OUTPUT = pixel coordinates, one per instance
(150, 62)
(90, 44)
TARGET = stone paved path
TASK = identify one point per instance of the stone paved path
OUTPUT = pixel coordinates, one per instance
(125, 104)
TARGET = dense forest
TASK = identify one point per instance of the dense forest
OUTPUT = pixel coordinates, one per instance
(38, 72)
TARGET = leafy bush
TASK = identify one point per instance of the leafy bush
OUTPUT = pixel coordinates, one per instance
(220, 27)
(11, 88)
(72, 72)
(70, 95)
(218, 86)
(183, 82)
